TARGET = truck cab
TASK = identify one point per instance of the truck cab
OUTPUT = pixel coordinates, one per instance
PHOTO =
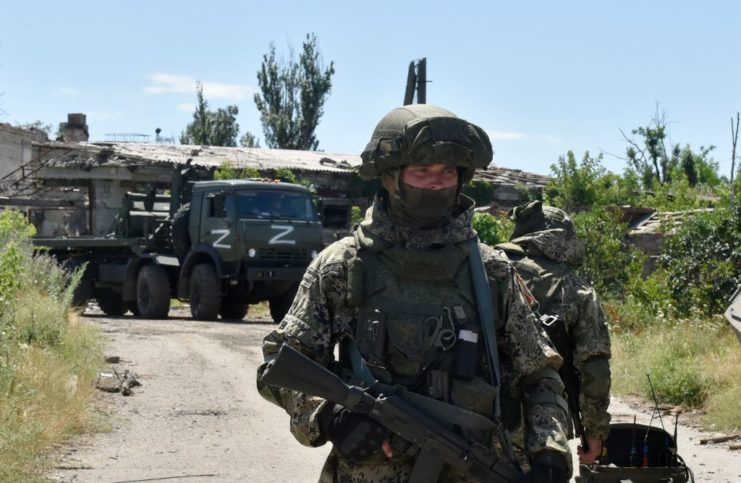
(252, 239)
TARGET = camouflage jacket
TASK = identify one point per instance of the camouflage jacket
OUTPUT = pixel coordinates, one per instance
(321, 316)
(546, 261)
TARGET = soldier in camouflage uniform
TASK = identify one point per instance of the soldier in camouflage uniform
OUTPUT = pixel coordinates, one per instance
(545, 250)
(400, 290)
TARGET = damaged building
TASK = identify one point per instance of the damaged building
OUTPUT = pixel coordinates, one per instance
(72, 187)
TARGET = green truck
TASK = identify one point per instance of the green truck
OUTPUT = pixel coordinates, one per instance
(228, 244)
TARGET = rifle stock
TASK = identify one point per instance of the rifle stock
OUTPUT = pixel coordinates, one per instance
(293, 370)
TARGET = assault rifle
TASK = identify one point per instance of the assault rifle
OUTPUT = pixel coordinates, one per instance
(437, 445)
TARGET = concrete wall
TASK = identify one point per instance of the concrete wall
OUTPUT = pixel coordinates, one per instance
(15, 147)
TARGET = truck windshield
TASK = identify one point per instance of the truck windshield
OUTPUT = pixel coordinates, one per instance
(275, 204)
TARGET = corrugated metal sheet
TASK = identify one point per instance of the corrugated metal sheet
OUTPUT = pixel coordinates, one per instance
(208, 156)
(124, 154)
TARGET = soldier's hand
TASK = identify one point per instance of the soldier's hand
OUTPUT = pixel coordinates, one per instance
(354, 436)
(549, 467)
(595, 449)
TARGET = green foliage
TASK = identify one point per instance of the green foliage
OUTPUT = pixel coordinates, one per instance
(292, 96)
(703, 260)
(286, 175)
(690, 361)
(248, 140)
(210, 128)
(478, 190)
(226, 170)
(47, 362)
(653, 161)
(609, 263)
(356, 215)
(574, 185)
(586, 184)
(492, 230)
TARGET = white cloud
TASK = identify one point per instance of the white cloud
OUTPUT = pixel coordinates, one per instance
(517, 136)
(163, 83)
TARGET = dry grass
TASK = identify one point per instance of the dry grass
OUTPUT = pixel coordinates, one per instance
(45, 386)
(692, 363)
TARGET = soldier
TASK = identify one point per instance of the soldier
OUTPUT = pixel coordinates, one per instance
(400, 295)
(545, 250)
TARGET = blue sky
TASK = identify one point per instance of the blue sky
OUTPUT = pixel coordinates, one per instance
(541, 77)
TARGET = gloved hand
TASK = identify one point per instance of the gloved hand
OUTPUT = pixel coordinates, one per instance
(355, 436)
(549, 467)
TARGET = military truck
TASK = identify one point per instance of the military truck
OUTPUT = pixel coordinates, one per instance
(228, 245)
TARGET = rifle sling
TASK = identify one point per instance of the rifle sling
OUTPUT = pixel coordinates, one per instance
(487, 313)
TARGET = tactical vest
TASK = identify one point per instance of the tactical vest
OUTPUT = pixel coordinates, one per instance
(545, 280)
(418, 324)
(549, 285)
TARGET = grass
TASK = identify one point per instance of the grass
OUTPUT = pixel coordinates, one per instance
(48, 359)
(694, 363)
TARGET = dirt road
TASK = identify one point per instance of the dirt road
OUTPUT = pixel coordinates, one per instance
(198, 418)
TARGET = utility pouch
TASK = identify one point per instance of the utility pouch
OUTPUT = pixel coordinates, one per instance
(438, 385)
(371, 337)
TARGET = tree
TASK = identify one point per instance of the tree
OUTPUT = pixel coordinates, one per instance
(248, 140)
(209, 128)
(653, 160)
(292, 97)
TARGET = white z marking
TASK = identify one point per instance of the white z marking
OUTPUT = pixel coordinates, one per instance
(279, 238)
(224, 233)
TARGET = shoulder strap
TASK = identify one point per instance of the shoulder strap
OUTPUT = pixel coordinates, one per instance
(487, 313)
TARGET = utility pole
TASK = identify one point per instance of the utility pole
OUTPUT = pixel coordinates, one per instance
(416, 82)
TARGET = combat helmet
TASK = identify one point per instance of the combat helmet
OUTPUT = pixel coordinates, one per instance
(425, 134)
(533, 217)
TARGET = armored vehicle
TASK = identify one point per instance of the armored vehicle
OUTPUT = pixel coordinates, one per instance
(230, 244)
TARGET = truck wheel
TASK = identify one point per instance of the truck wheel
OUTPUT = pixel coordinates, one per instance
(82, 294)
(134, 308)
(180, 236)
(279, 305)
(231, 309)
(205, 292)
(110, 301)
(153, 292)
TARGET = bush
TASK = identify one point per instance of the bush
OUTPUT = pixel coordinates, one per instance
(703, 260)
(492, 230)
(692, 362)
(609, 263)
(47, 361)
(479, 191)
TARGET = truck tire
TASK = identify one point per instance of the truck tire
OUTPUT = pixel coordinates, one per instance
(180, 235)
(82, 294)
(233, 310)
(205, 292)
(279, 305)
(133, 308)
(153, 292)
(110, 301)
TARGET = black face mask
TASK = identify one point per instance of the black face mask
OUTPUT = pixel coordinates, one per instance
(422, 208)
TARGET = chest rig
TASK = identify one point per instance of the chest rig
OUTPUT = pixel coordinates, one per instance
(418, 324)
